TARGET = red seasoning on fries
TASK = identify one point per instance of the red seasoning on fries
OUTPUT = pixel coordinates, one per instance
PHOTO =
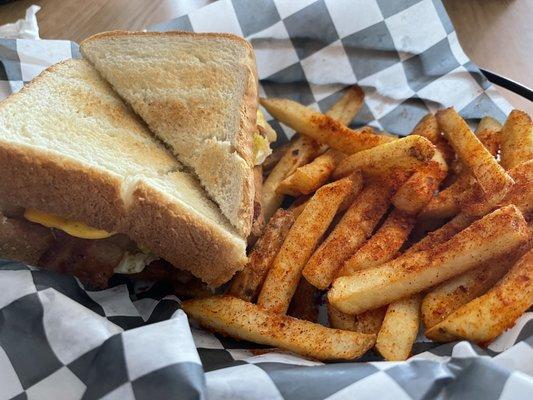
(303, 237)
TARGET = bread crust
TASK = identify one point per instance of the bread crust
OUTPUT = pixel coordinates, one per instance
(208, 253)
(57, 185)
(246, 118)
(245, 140)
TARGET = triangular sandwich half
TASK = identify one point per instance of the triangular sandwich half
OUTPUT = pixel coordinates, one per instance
(198, 94)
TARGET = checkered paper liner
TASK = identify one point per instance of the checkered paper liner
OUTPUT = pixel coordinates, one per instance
(131, 341)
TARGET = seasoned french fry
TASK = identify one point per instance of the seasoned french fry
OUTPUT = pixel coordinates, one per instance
(283, 277)
(419, 189)
(492, 178)
(309, 177)
(428, 127)
(406, 154)
(347, 107)
(303, 149)
(246, 321)
(521, 194)
(300, 152)
(443, 234)
(517, 139)
(368, 322)
(358, 181)
(495, 234)
(350, 233)
(274, 157)
(303, 304)
(247, 283)
(447, 297)
(323, 128)
(299, 204)
(382, 246)
(488, 123)
(448, 202)
(486, 317)
(399, 329)
(490, 139)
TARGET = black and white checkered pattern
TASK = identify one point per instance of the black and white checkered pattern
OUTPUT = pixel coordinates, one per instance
(60, 341)
(403, 53)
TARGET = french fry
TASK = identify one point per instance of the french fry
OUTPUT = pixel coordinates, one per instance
(486, 317)
(323, 128)
(347, 107)
(488, 123)
(399, 329)
(349, 234)
(309, 177)
(494, 235)
(447, 297)
(521, 194)
(419, 189)
(382, 246)
(357, 180)
(274, 157)
(448, 202)
(300, 152)
(490, 139)
(246, 321)
(517, 139)
(303, 304)
(443, 234)
(406, 154)
(247, 283)
(428, 127)
(303, 149)
(368, 322)
(303, 237)
(492, 178)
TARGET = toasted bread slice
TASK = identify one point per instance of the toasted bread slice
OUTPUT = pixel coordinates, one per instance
(198, 94)
(69, 146)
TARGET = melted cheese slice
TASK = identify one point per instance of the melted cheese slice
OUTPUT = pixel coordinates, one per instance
(73, 228)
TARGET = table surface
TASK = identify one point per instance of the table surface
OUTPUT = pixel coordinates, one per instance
(495, 34)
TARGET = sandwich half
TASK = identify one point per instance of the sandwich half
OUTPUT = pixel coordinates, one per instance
(74, 157)
(198, 94)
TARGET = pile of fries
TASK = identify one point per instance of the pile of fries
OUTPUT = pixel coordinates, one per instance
(433, 228)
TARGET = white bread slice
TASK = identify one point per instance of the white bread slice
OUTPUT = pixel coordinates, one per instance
(69, 146)
(198, 94)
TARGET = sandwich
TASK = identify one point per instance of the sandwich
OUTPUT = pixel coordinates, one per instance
(147, 166)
